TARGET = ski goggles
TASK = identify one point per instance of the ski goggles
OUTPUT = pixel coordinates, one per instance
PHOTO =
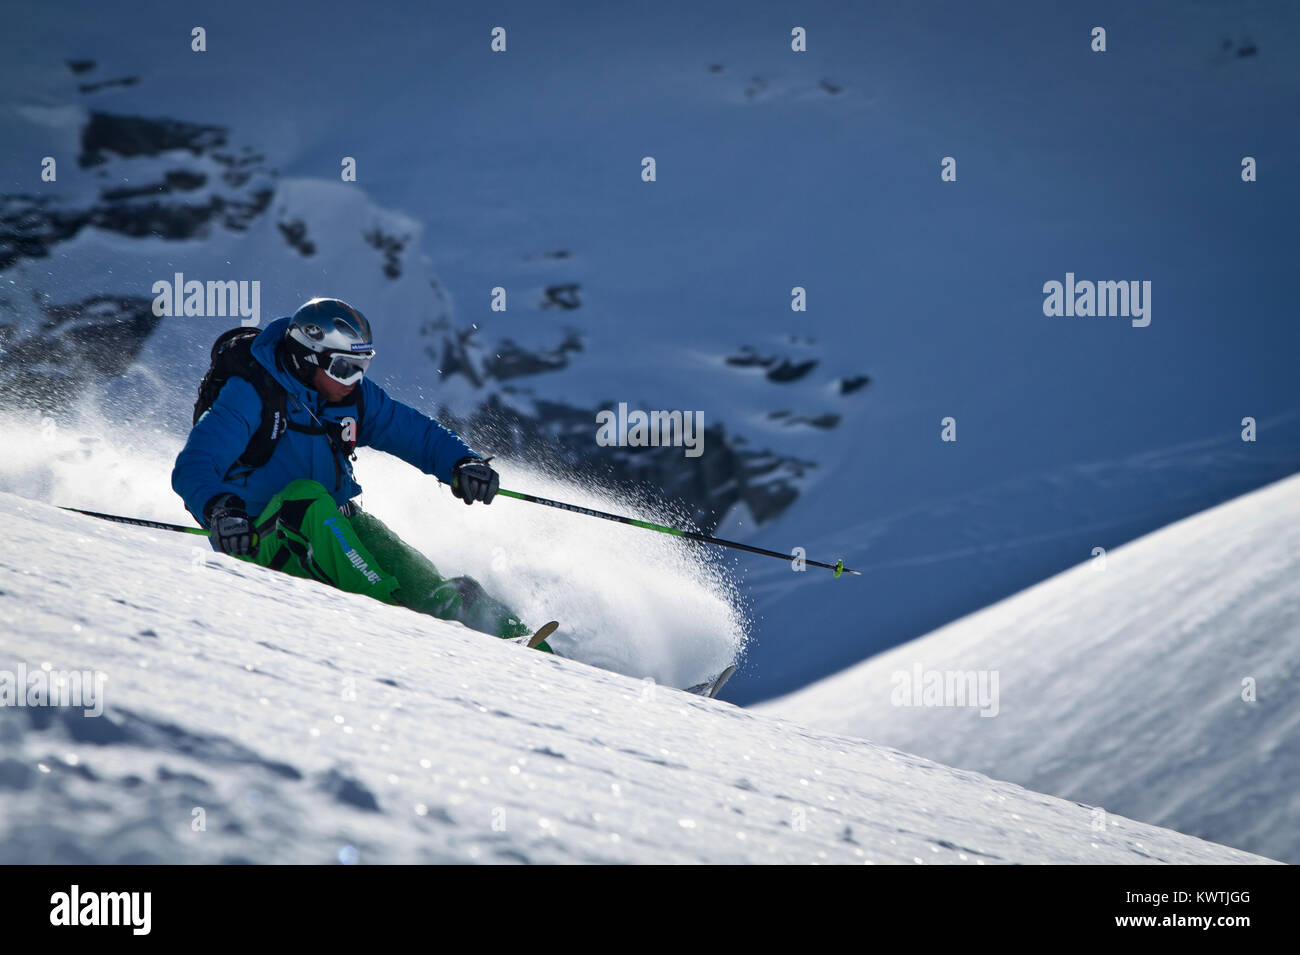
(346, 368)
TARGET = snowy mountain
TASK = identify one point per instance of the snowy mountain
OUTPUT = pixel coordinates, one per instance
(521, 170)
(247, 716)
(1157, 680)
(310, 725)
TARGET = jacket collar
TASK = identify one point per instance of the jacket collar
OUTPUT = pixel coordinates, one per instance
(264, 350)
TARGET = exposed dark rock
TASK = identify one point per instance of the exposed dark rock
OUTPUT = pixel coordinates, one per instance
(780, 369)
(727, 473)
(30, 225)
(295, 233)
(749, 359)
(785, 371)
(105, 84)
(157, 219)
(460, 353)
(456, 357)
(563, 296)
(1247, 47)
(853, 383)
(176, 180)
(824, 421)
(239, 169)
(237, 214)
(138, 136)
(708, 485)
(78, 343)
(80, 66)
(391, 246)
(511, 361)
(833, 88)
(789, 371)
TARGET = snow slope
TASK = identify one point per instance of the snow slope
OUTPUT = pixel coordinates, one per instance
(298, 724)
(1123, 684)
(818, 169)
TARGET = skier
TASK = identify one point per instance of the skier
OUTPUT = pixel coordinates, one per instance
(277, 439)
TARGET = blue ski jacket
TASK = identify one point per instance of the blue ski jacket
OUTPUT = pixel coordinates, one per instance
(205, 466)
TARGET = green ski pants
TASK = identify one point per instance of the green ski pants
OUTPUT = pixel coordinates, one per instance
(304, 534)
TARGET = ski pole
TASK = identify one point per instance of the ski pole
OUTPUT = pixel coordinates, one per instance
(139, 522)
(838, 566)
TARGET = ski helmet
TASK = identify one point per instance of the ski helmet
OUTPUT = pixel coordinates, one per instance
(329, 334)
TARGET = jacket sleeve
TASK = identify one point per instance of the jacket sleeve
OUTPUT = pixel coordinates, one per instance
(216, 441)
(402, 431)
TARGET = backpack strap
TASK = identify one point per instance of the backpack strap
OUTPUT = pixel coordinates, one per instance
(275, 418)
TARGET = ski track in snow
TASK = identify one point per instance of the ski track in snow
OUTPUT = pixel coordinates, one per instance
(310, 725)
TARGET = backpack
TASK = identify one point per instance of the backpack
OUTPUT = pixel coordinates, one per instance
(232, 357)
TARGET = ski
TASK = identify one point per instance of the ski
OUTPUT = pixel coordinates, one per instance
(710, 688)
(542, 633)
(720, 680)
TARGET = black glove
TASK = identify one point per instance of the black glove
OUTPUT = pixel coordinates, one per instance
(472, 479)
(232, 529)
